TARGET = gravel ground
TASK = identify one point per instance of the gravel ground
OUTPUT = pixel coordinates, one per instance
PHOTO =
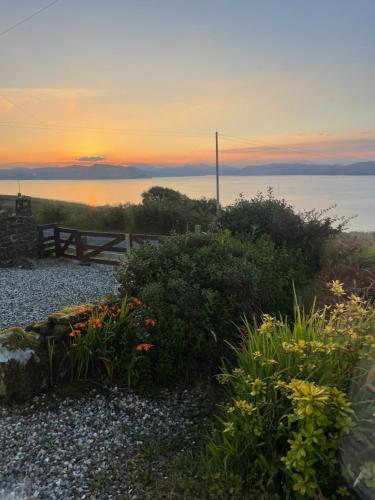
(83, 448)
(27, 295)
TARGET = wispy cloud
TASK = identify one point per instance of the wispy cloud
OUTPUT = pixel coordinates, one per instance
(90, 158)
(320, 147)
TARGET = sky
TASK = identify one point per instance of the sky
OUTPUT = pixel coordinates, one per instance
(150, 81)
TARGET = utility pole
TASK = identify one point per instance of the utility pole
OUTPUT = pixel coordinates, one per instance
(217, 172)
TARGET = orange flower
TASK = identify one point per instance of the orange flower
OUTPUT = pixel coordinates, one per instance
(115, 310)
(137, 301)
(79, 326)
(150, 322)
(74, 333)
(95, 322)
(103, 307)
(144, 347)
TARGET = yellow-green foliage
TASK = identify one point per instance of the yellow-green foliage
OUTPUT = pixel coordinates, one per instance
(289, 405)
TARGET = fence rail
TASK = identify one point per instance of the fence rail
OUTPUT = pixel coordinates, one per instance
(89, 246)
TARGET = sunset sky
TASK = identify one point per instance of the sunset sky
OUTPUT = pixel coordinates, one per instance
(150, 81)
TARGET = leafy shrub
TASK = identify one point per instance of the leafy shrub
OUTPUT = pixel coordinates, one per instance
(289, 407)
(195, 285)
(165, 210)
(350, 258)
(266, 215)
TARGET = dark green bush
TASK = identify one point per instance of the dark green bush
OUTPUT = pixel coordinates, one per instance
(266, 215)
(196, 285)
(164, 210)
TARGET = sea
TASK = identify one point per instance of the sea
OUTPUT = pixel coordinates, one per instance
(350, 196)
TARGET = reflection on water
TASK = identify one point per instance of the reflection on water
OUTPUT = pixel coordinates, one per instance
(353, 195)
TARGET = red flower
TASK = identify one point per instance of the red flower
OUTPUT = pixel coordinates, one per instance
(144, 347)
(150, 322)
(137, 301)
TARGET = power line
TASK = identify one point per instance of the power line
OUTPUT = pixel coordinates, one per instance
(140, 132)
(28, 18)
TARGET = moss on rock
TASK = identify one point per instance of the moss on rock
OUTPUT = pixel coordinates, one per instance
(23, 365)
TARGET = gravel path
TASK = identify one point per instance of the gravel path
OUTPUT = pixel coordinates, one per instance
(27, 295)
(83, 449)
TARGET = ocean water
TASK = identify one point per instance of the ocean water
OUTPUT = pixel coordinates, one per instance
(352, 195)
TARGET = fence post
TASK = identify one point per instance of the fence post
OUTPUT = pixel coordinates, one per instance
(40, 242)
(56, 237)
(128, 242)
(79, 245)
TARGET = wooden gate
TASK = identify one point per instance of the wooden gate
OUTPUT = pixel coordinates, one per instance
(89, 246)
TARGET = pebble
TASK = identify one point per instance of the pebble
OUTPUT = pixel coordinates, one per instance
(81, 447)
(28, 295)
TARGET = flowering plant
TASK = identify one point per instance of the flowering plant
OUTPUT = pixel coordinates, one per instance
(291, 407)
(110, 340)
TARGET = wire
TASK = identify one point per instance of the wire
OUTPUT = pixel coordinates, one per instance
(158, 133)
(28, 18)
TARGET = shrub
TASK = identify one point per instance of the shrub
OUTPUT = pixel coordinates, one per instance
(164, 210)
(266, 215)
(195, 285)
(350, 258)
(289, 407)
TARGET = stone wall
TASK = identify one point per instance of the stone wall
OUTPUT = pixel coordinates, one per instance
(18, 230)
(31, 358)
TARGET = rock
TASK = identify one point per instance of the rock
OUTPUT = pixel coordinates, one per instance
(42, 326)
(62, 330)
(23, 365)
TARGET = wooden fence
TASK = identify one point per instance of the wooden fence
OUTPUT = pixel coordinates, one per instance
(89, 246)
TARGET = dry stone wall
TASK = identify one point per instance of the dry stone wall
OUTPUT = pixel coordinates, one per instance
(26, 366)
(18, 230)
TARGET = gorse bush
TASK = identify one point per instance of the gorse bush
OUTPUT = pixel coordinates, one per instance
(280, 433)
(266, 215)
(195, 285)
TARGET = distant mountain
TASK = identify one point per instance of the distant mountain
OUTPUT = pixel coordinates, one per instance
(362, 168)
(75, 172)
(188, 170)
(100, 171)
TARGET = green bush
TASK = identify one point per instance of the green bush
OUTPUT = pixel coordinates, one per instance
(266, 215)
(289, 410)
(164, 210)
(195, 285)
(350, 258)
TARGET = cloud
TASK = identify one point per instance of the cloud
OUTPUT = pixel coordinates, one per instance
(91, 158)
(322, 147)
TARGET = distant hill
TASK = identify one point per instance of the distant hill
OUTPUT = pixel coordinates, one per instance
(75, 172)
(100, 171)
(362, 168)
